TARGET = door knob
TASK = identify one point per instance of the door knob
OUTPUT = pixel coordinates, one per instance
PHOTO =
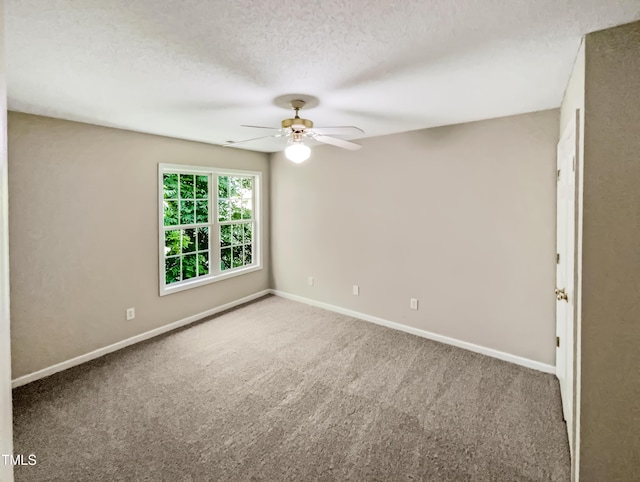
(561, 295)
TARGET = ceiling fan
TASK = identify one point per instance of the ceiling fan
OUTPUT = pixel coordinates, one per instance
(297, 129)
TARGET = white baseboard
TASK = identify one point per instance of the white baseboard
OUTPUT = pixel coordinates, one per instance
(45, 372)
(518, 360)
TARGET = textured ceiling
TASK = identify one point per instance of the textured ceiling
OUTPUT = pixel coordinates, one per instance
(197, 69)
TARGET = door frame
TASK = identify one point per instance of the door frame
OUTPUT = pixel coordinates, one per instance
(6, 430)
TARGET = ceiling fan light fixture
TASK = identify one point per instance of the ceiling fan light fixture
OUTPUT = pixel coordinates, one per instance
(296, 129)
(297, 152)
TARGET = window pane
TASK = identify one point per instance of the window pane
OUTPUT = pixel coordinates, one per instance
(170, 213)
(247, 186)
(172, 270)
(247, 208)
(202, 211)
(202, 187)
(236, 208)
(225, 259)
(189, 268)
(203, 263)
(237, 231)
(248, 232)
(223, 210)
(172, 242)
(203, 239)
(235, 186)
(188, 241)
(186, 212)
(186, 186)
(170, 182)
(247, 254)
(237, 256)
(223, 183)
(225, 235)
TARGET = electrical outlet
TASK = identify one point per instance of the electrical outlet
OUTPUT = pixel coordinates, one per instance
(310, 281)
(131, 313)
(413, 303)
(356, 290)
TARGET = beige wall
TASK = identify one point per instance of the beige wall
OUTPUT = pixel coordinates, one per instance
(84, 237)
(574, 101)
(461, 217)
(6, 442)
(610, 380)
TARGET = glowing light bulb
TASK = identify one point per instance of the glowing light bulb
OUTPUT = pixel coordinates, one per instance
(297, 152)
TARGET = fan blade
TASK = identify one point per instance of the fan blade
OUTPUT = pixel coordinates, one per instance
(338, 130)
(338, 142)
(262, 127)
(233, 143)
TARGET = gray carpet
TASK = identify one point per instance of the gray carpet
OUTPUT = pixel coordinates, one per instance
(277, 390)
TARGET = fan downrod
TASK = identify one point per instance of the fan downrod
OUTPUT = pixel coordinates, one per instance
(297, 124)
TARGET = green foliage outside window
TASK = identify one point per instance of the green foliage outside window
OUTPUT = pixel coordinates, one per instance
(235, 204)
(186, 202)
(186, 213)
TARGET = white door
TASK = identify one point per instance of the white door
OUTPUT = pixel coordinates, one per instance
(565, 262)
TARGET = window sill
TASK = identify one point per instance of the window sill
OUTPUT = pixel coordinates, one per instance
(167, 290)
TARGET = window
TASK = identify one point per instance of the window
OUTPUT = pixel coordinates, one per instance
(209, 225)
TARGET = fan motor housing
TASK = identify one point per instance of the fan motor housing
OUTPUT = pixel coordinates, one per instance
(297, 124)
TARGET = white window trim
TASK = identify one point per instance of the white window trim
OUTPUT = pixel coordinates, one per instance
(214, 242)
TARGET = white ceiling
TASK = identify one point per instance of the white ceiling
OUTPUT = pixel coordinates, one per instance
(197, 69)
